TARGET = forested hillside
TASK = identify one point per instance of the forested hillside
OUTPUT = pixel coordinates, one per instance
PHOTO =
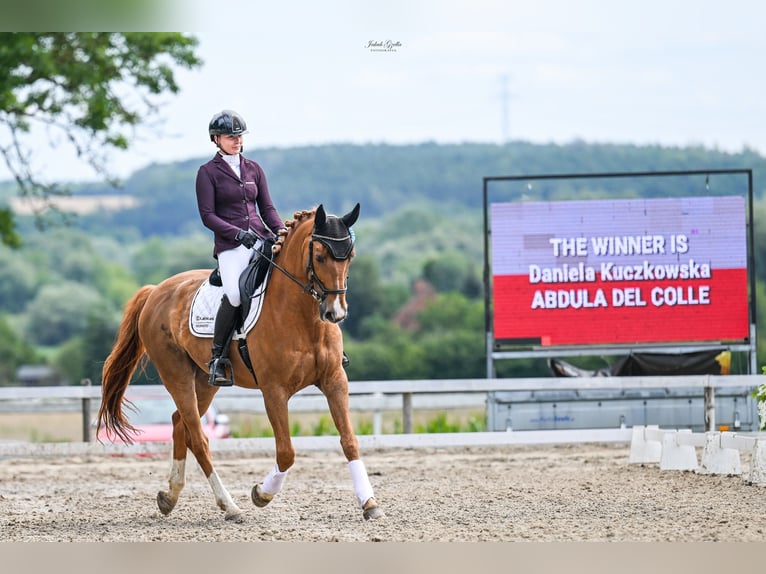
(415, 291)
(385, 178)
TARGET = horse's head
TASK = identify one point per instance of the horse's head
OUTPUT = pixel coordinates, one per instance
(331, 249)
(328, 248)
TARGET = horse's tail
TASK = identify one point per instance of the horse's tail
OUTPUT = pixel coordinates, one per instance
(119, 368)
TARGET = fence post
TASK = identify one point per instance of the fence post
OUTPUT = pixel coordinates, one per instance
(85, 413)
(377, 415)
(710, 409)
(407, 413)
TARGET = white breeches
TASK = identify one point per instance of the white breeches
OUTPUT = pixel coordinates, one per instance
(231, 264)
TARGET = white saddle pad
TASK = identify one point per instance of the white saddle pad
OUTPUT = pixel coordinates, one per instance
(205, 306)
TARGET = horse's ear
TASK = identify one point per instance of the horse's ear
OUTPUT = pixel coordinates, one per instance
(320, 217)
(350, 218)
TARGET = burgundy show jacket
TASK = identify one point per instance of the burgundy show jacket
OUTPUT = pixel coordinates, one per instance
(227, 204)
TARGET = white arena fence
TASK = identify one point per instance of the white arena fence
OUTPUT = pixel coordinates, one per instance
(376, 396)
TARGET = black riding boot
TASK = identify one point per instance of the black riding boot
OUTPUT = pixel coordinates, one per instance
(345, 360)
(225, 321)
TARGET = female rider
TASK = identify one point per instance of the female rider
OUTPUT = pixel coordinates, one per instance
(234, 203)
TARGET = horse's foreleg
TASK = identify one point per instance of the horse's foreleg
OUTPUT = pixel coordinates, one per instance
(337, 399)
(264, 492)
(363, 490)
(276, 409)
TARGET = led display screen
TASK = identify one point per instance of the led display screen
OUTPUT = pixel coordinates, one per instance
(599, 272)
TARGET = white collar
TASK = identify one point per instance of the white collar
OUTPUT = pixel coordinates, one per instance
(232, 160)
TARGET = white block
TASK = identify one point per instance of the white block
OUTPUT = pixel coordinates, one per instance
(740, 442)
(675, 456)
(654, 433)
(644, 451)
(691, 438)
(758, 462)
(718, 460)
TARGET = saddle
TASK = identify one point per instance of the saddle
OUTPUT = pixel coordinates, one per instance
(252, 285)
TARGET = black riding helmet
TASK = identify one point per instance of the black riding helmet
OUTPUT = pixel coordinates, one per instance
(227, 123)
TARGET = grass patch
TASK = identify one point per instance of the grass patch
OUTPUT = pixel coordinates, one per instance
(322, 425)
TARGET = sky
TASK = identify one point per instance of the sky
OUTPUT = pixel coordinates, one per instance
(667, 72)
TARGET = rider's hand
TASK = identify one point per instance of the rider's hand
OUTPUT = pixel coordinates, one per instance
(247, 238)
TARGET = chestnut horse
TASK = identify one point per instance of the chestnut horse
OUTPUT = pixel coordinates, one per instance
(296, 342)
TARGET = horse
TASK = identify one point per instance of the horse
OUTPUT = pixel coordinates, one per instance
(296, 342)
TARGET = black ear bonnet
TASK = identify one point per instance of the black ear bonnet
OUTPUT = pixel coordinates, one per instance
(335, 233)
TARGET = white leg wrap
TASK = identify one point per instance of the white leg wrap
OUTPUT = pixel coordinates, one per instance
(362, 486)
(273, 482)
(222, 496)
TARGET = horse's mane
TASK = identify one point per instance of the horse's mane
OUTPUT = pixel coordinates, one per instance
(298, 218)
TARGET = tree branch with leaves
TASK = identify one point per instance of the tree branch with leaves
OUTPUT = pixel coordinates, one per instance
(87, 89)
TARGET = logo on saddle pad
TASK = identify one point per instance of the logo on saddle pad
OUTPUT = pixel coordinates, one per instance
(205, 306)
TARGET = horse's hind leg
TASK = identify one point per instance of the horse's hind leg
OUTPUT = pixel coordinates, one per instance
(201, 449)
(337, 399)
(192, 398)
(166, 500)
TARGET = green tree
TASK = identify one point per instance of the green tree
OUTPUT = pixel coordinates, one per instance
(150, 261)
(63, 252)
(61, 311)
(18, 281)
(451, 336)
(14, 351)
(115, 283)
(367, 296)
(161, 257)
(193, 251)
(760, 297)
(88, 89)
(457, 354)
(759, 238)
(70, 360)
(83, 357)
(392, 357)
(451, 270)
(451, 311)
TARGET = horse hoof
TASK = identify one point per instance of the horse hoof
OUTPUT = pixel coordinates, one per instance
(236, 517)
(260, 498)
(372, 511)
(165, 503)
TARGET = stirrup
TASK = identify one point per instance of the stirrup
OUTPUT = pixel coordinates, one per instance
(216, 381)
(344, 361)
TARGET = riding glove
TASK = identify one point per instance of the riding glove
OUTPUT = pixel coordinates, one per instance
(247, 238)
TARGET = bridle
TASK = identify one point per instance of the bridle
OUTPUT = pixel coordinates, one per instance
(314, 281)
(323, 292)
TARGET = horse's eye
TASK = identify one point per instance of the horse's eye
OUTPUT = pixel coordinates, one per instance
(320, 258)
